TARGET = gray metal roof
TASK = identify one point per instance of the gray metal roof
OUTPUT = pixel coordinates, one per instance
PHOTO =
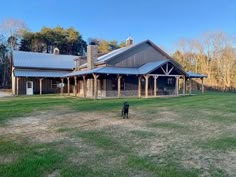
(83, 72)
(39, 73)
(42, 60)
(195, 75)
(145, 69)
(109, 55)
(112, 54)
(104, 58)
(149, 67)
(106, 70)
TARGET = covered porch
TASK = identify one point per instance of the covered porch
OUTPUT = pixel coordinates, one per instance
(162, 79)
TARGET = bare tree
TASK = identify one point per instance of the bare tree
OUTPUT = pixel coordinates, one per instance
(211, 54)
(12, 29)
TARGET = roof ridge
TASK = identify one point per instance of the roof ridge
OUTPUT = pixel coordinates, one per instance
(42, 53)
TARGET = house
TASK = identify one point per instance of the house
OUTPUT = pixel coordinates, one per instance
(140, 70)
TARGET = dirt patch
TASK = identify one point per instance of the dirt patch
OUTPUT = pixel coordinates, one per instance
(44, 126)
(162, 143)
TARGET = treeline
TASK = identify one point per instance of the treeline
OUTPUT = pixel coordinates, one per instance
(68, 41)
(212, 54)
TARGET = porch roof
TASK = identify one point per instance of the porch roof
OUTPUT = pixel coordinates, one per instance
(195, 75)
(39, 73)
(145, 69)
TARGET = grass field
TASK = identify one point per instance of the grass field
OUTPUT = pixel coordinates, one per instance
(67, 136)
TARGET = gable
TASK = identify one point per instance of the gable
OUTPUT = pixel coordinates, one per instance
(137, 56)
(168, 68)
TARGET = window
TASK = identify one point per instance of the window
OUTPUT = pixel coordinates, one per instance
(170, 81)
(29, 84)
(54, 84)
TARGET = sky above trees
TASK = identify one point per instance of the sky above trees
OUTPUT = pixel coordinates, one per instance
(162, 21)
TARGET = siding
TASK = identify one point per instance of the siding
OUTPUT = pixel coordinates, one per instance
(45, 89)
(137, 57)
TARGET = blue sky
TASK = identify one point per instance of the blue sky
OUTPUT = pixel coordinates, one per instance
(162, 21)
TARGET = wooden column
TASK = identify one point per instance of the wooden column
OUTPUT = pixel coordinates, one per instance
(139, 86)
(62, 88)
(17, 86)
(40, 86)
(146, 85)
(75, 87)
(184, 86)
(190, 86)
(177, 85)
(155, 85)
(104, 87)
(202, 85)
(84, 86)
(118, 85)
(68, 86)
(95, 85)
(78, 88)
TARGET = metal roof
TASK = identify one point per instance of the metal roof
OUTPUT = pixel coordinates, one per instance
(149, 67)
(39, 73)
(42, 60)
(195, 75)
(104, 58)
(145, 69)
(112, 54)
(106, 70)
(83, 72)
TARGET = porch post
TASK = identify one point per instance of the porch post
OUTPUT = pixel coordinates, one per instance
(17, 86)
(184, 86)
(68, 86)
(139, 86)
(155, 85)
(78, 88)
(146, 85)
(177, 85)
(95, 86)
(40, 86)
(62, 88)
(75, 87)
(118, 85)
(190, 86)
(84, 86)
(104, 87)
(202, 85)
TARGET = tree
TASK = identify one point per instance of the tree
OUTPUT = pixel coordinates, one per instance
(4, 67)
(69, 41)
(11, 30)
(105, 46)
(211, 54)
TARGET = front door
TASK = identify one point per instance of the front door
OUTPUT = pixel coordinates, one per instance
(29, 87)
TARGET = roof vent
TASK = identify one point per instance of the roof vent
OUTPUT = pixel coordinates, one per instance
(129, 41)
(56, 51)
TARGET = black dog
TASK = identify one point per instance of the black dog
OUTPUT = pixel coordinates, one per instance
(125, 110)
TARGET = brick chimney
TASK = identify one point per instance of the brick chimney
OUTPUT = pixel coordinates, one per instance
(91, 55)
(129, 41)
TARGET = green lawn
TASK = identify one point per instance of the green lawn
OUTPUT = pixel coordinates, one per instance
(67, 136)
